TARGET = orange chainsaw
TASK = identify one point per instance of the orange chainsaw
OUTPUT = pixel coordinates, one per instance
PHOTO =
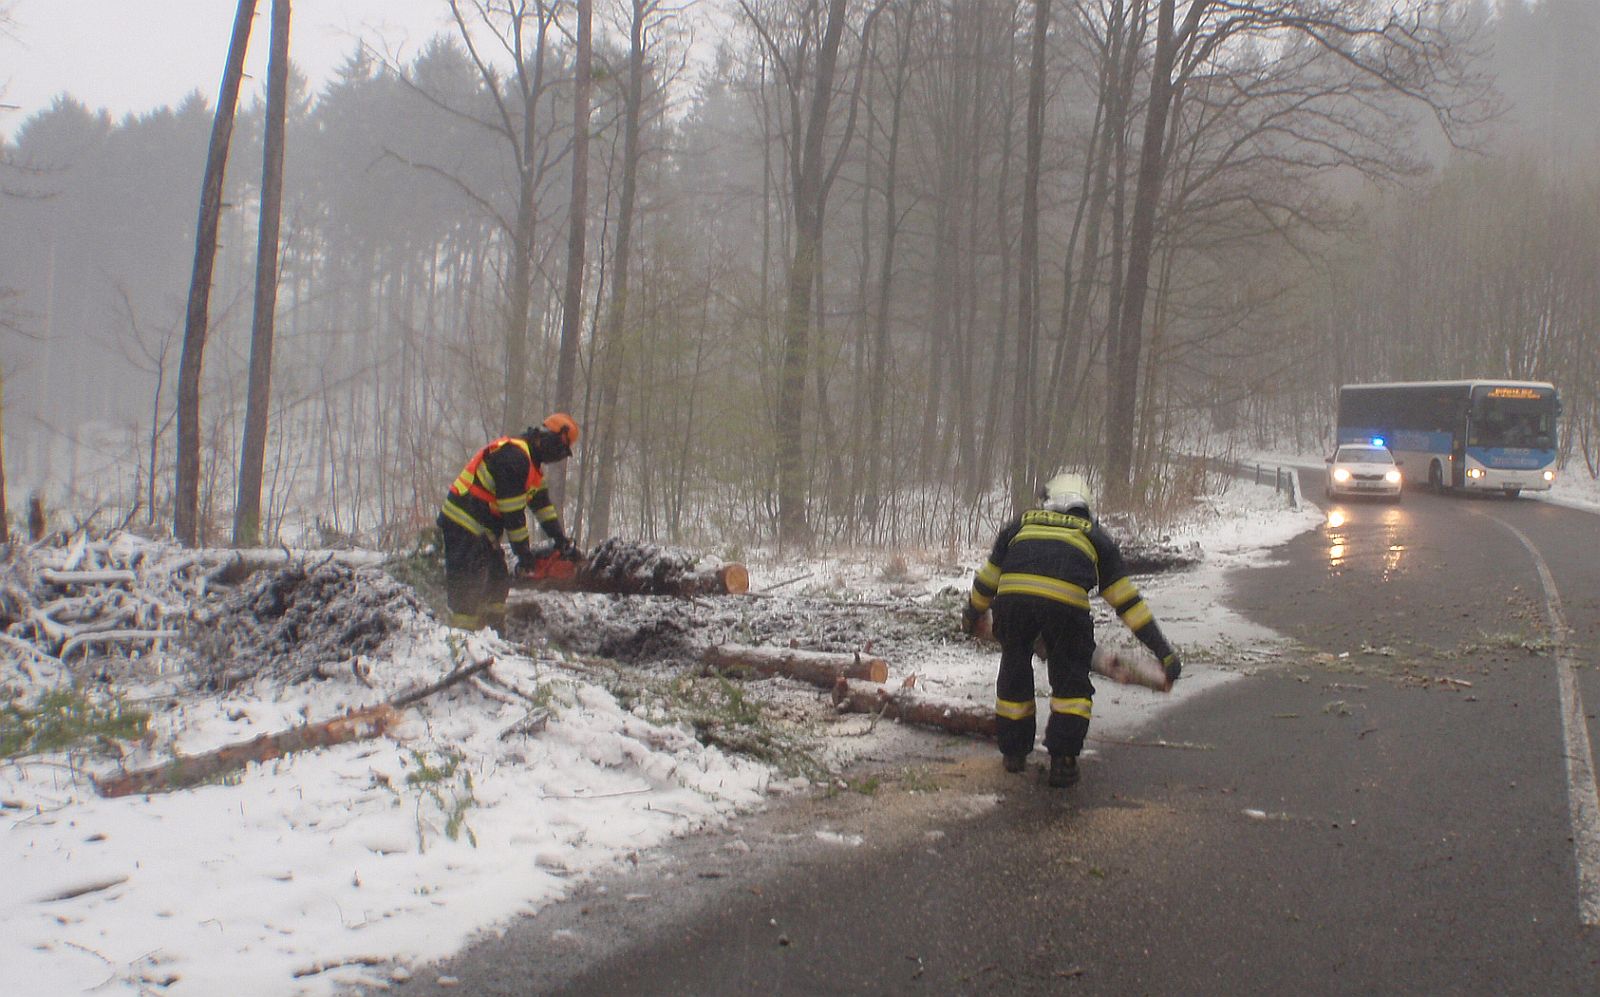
(553, 565)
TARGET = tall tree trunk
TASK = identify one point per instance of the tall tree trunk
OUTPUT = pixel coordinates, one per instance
(809, 206)
(1124, 388)
(578, 220)
(1028, 271)
(878, 384)
(252, 459)
(519, 302)
(616, 321)
(186, 493)
(5, 529)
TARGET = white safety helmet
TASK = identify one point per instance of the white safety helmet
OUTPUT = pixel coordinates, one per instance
(1065, 493)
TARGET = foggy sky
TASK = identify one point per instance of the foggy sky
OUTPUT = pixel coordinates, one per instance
(136, 55)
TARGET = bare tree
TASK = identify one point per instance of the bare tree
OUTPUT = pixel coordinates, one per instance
(1022, 401)
(5, 523)
(577, 211)
(645, 17)
(252, 457)
(878, 377)
(1414, 50)
(807, 70)
(186, 525)
(515, 99)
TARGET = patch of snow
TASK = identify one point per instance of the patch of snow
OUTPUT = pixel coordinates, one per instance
(359, 863)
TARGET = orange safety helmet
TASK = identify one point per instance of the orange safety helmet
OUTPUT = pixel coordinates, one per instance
(563, 426)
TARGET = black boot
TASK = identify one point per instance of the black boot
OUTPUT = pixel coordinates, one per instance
(1016, 763)
(1063, 770)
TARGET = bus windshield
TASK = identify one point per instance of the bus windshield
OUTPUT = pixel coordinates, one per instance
(1498, 422)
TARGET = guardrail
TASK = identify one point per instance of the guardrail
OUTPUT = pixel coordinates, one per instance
(1284, 480)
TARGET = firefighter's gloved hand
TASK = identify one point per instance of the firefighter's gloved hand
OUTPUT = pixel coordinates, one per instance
(969, 619)
(1173, 667)
(525, 560)
(569, 550)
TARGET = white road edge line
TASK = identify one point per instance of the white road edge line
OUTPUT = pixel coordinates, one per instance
(1583, 800)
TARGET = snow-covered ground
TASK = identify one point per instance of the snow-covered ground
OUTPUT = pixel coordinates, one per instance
(364, 862)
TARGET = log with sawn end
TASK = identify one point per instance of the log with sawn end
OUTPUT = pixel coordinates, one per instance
(184, 771)
(912, 707)
(820, 668)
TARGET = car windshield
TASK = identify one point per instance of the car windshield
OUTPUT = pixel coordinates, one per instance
(1363, 455)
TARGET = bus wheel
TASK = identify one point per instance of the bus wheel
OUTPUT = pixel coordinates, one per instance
(1436, 478)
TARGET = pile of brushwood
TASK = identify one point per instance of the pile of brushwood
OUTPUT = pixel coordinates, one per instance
(100, 607)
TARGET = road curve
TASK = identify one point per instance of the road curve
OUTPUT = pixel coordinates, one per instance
(1390, 811)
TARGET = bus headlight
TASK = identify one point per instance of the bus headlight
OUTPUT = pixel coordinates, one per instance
(1474, 473)
(1393, 477)
(1341, 474)
(1549, 475)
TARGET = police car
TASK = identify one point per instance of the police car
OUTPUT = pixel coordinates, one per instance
(1364, 469)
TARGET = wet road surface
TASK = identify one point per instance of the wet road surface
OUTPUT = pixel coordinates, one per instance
(1389, 810)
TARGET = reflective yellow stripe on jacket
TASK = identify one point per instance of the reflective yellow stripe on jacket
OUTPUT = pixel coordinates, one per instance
(1064, 534)
(1014, 583)
(983, 586)
(463, 519)
(1123, 596)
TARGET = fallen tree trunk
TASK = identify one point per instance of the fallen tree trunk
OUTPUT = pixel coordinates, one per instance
(906, 705)
(727, 579)
(912, 707)
(185, 771)
(626, 567)
(364, 724)
(820, 668)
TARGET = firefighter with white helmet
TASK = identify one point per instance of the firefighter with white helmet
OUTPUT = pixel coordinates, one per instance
(1037, 582)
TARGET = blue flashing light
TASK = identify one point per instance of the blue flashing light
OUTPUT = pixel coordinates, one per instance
(1377, 441)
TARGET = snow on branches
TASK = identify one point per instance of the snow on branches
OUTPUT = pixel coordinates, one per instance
(125, 597)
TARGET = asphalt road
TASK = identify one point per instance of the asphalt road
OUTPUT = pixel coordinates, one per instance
(1400, 808)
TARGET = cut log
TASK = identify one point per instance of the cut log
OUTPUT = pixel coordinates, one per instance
(1130, 666)
(820, 668)
(183, 771)
(912, 707)
(1123, 665)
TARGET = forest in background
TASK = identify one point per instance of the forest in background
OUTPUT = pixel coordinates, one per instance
(855, 268)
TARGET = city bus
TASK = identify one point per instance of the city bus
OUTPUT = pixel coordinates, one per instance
(1479, 435)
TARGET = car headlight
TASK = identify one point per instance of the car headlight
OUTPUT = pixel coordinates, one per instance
(1549, 475)
(1393, 477)
(1341, 474)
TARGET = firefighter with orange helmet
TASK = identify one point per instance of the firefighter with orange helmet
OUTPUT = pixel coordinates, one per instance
(490, 496)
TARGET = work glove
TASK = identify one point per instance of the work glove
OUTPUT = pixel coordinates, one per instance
(525, 559)
(1173, 667)
(569, 550)
(969, 619)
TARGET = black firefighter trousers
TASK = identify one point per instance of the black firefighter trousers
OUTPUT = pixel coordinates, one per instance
(1068, 636)
(476, 581)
